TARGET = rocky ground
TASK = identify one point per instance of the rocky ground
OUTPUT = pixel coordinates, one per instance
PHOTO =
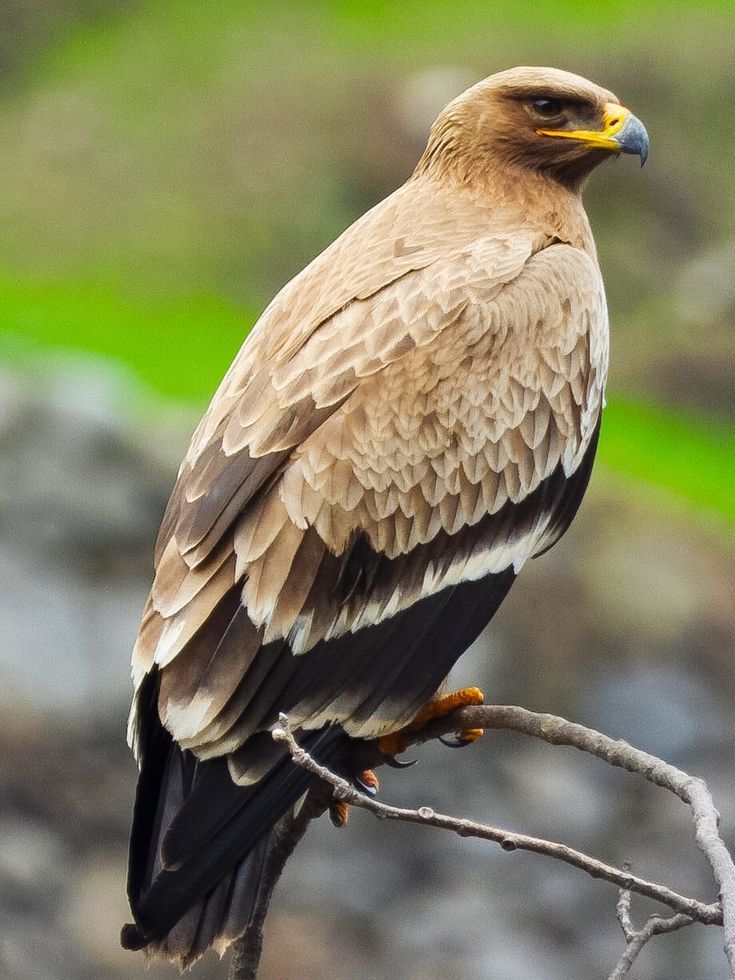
(628, 626)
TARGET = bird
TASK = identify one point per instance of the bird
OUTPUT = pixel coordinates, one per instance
(412, 418)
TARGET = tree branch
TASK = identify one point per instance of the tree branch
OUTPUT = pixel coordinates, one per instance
(556, 731)
(616, 752)
(247, 949)
(509, 840)
(636, 939)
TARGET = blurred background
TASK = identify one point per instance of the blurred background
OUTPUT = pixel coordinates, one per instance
(166, 166)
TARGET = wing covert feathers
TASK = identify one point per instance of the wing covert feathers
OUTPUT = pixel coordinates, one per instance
(494, 392)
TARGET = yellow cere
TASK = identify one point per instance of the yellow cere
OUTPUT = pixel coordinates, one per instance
(613, 118)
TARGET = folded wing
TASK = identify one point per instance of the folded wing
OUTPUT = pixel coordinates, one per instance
(420, 439)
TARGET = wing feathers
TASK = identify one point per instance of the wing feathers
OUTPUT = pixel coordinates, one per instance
(179, 628)
(248, 679)
(423, 460)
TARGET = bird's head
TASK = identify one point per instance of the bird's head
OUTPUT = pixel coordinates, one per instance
(539, 119)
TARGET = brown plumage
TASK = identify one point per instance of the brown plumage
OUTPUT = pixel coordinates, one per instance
(412, 418)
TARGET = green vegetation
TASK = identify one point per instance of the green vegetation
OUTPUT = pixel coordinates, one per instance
(691, 457)
(166, 167)
(178, 348)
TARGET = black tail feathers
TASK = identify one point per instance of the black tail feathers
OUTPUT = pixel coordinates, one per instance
(216, 920)
(199, 841)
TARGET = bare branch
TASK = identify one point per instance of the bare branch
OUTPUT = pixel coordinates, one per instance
(247, 950)
(508, 840)
(622, 909)
(556, 731)
(636, 939)
(615, 752)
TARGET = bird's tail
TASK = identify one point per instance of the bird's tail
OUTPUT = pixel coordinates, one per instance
(215, 921)
(199, 841)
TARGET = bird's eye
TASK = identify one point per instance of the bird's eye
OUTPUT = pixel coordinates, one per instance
(546, 107)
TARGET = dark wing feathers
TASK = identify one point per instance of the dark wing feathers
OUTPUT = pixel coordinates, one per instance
(390, 668)
(569, 502)
(225, 493)
(206, 824)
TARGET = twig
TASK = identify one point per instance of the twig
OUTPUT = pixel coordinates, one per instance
(636, 939)
(690, 789)
(246, 951)
(556, 731)
(507, 839)
(622, 909)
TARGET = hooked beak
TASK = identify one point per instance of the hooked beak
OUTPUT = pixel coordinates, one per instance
(621, 132)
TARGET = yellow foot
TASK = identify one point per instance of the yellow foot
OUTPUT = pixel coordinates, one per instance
(368, 782)
(339, 814)
(438, 707)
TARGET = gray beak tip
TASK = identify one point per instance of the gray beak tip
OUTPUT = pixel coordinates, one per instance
(633, 138)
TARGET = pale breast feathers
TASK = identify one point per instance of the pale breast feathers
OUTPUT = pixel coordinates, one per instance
(404, 418)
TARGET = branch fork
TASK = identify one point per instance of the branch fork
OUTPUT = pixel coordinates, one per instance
(556, 731)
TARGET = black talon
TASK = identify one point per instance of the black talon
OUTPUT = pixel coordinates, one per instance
(453, 742)
(390, 760)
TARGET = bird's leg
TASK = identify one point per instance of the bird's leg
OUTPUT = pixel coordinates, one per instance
(339, 814)
(368, 782)
(438, 707)
(397, 742)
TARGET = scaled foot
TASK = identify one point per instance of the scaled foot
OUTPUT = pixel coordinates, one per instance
(439, 707)
(367, 782)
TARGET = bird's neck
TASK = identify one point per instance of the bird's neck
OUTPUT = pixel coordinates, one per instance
(521, 198)
(557, 209)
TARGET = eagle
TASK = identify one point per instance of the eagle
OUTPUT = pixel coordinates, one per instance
(412, 417)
